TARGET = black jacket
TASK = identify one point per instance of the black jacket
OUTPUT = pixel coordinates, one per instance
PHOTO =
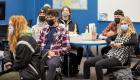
(72, 25)
(26, 58)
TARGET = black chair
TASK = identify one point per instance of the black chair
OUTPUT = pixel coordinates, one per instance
(58, 72)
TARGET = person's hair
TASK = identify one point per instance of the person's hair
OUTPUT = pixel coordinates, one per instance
(119, 12)
(131, 28)
(66, 7)
(52, 12)
(19, 24)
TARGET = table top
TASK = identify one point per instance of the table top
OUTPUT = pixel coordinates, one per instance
(77, 40)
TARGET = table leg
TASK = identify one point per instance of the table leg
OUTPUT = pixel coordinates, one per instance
(68, 65)
(97, 50)
(87, 52)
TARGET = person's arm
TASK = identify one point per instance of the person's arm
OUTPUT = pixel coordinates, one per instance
(107, 29)
(23, 57)
(65, 43)
(104, 33)
(111, 38)
(132, 41)
(8, 60)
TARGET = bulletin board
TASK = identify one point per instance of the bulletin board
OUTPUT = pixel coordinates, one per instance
(73, 4)
(130, 8)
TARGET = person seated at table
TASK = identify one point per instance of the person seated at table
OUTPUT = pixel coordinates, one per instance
(122, 46)
(111, 29)
(72, 27)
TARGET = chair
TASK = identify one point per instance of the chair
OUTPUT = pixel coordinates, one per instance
(136, 76)
(58, 72)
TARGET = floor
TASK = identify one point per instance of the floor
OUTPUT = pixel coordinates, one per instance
(93, 74)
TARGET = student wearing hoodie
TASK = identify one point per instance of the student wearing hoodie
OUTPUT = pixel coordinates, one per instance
(41, 23)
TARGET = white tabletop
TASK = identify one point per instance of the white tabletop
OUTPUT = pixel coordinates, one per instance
(77, 40)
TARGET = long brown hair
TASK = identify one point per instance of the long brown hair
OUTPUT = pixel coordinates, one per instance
(19, 24)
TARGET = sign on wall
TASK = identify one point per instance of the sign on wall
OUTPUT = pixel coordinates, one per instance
(73, 4)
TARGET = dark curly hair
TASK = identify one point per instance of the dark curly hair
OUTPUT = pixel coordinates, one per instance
(52, 12)
(119, 12)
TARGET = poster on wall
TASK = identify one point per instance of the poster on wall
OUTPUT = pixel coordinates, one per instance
(73, 4)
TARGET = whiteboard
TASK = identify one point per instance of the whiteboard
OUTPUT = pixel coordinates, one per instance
(130, 8)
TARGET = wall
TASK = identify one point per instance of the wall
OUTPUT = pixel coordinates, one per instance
(13, 7)
(30, 8)
(84, 17)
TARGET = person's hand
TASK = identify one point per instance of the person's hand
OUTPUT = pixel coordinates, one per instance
(112, 44)
(8, 65)
(51, 53)
(118, 45)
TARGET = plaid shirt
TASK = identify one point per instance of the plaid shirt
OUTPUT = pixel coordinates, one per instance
(61, 41)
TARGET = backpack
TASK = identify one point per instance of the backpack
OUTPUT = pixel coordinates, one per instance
(123, 74)
(136, 69)
(70, 65)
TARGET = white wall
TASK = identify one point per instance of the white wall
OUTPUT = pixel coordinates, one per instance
(131, 8)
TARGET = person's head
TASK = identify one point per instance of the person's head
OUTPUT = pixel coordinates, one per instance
(126, 26)
(118, 14)
(66, 12)
(17, 24)
(52, 17)
(42, 15)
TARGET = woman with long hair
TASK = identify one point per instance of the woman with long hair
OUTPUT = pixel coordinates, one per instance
(122, 46)
(23, 53)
